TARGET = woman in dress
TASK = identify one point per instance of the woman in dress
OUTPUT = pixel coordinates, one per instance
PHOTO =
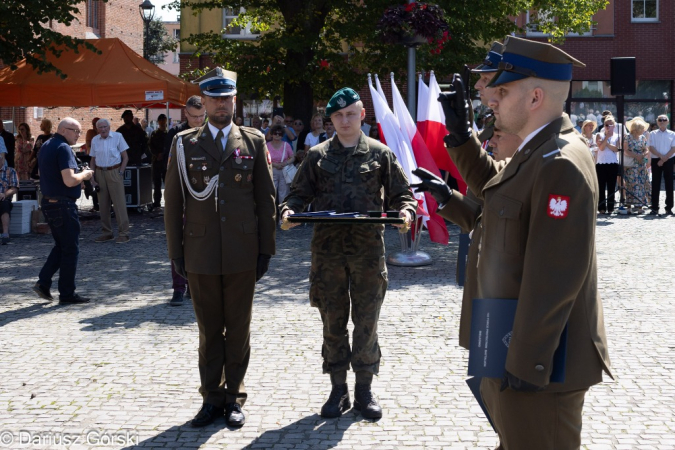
(46, 128)
(635, 174)
(607, 165)
(318, 134)
(281, 155)
(22, 151)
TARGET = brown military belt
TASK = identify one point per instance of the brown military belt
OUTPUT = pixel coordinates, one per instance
(109, 168)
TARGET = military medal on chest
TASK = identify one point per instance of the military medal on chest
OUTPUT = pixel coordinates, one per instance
(237, 177)
(237, 154)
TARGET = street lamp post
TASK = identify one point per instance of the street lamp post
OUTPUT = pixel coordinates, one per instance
(147, 11)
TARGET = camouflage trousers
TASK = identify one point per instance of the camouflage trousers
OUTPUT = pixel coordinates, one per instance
(338, 283)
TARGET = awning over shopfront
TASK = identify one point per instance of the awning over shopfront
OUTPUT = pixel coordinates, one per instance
(116, 78)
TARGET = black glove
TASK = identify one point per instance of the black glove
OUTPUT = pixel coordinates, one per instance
(262, 266)
(433, 184)
(456, 109)
(179, 267)
(518, 385)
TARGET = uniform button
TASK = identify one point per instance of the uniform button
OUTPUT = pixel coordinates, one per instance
(222, 184)
(501, 213)
(527, 152)
(222, 202)
(222, 168)
(539, 368)
(190, 233)
(222, 219)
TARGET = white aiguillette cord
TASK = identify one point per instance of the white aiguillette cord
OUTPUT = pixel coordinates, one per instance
(183, 177)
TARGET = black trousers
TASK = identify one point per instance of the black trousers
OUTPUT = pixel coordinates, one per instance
(607, 180)
(158, 175)
(665, 171)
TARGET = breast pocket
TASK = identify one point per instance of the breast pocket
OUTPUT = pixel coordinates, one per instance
(241, 175)
(369, 175)
(199, 174)
(505, 236)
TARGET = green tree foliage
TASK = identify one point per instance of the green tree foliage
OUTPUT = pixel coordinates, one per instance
(25, 32)
(159, 42)
(308, 48)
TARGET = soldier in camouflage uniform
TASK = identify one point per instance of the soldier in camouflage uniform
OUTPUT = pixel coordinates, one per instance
(349, 173)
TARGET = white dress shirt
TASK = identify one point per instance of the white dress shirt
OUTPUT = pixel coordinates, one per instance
(108, 151)
(662, 141)
(226, 133)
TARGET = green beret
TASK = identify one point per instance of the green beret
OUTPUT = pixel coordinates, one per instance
(341, 99)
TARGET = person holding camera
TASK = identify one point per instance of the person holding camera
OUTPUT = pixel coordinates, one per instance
(109, 160)
(61, 186)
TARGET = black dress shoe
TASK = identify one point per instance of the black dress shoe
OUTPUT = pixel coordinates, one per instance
(365, 401)
(75, 299)
(206, 415)
(177, 298)
(42, 291)
(234, 416)
(337, 403)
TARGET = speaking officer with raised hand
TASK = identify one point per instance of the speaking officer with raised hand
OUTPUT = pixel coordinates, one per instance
(537, 245)
(349, 173)
(220, 178)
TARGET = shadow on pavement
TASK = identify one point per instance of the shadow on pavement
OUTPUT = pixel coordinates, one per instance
(313, 431)
(131, 318)
(178, 435)
(27, 312)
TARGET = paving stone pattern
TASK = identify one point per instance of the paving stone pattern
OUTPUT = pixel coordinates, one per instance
(121, 372)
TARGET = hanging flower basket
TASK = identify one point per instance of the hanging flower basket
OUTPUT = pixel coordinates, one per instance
(414, 24)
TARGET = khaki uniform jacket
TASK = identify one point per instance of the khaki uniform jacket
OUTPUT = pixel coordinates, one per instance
(224, 237)
(541, 251)
(334, 178)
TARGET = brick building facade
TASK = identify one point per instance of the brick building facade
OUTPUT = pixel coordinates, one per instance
(642, 29)
(96, 19)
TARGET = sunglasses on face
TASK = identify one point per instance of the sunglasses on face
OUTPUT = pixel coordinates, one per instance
(277, 134)
(662, 120)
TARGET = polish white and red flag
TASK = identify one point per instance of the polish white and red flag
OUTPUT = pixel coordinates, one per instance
(390, 133)
(431, 123)
(438, 232)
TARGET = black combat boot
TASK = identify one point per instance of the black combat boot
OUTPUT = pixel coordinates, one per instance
(337, 403)
(365, 401)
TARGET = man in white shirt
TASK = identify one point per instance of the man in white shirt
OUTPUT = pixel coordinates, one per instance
(109, 160)
(662, 148)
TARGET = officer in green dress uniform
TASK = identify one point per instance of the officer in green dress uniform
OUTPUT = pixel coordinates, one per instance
(349, 173)
(537, 245)
(220, 179)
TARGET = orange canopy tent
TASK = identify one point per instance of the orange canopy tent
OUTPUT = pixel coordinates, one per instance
(117, 78)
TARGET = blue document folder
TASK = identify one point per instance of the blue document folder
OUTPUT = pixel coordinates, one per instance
(491, 328)
(474, 385)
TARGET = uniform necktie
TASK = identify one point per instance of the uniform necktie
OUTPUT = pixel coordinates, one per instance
(219, 141)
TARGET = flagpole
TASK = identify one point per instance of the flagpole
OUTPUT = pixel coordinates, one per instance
(412, 54)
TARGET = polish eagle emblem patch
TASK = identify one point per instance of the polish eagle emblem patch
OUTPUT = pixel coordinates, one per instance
(558, 205)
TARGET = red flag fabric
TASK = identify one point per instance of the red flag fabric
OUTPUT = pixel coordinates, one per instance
(438, 232)
(431, 120)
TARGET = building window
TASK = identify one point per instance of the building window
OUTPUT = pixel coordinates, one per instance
(176, 58)
(92, 13)
(176, 34)
(233, 32)
(645, 11)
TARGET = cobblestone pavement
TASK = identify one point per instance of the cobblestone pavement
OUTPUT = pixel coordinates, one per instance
(122, 370)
